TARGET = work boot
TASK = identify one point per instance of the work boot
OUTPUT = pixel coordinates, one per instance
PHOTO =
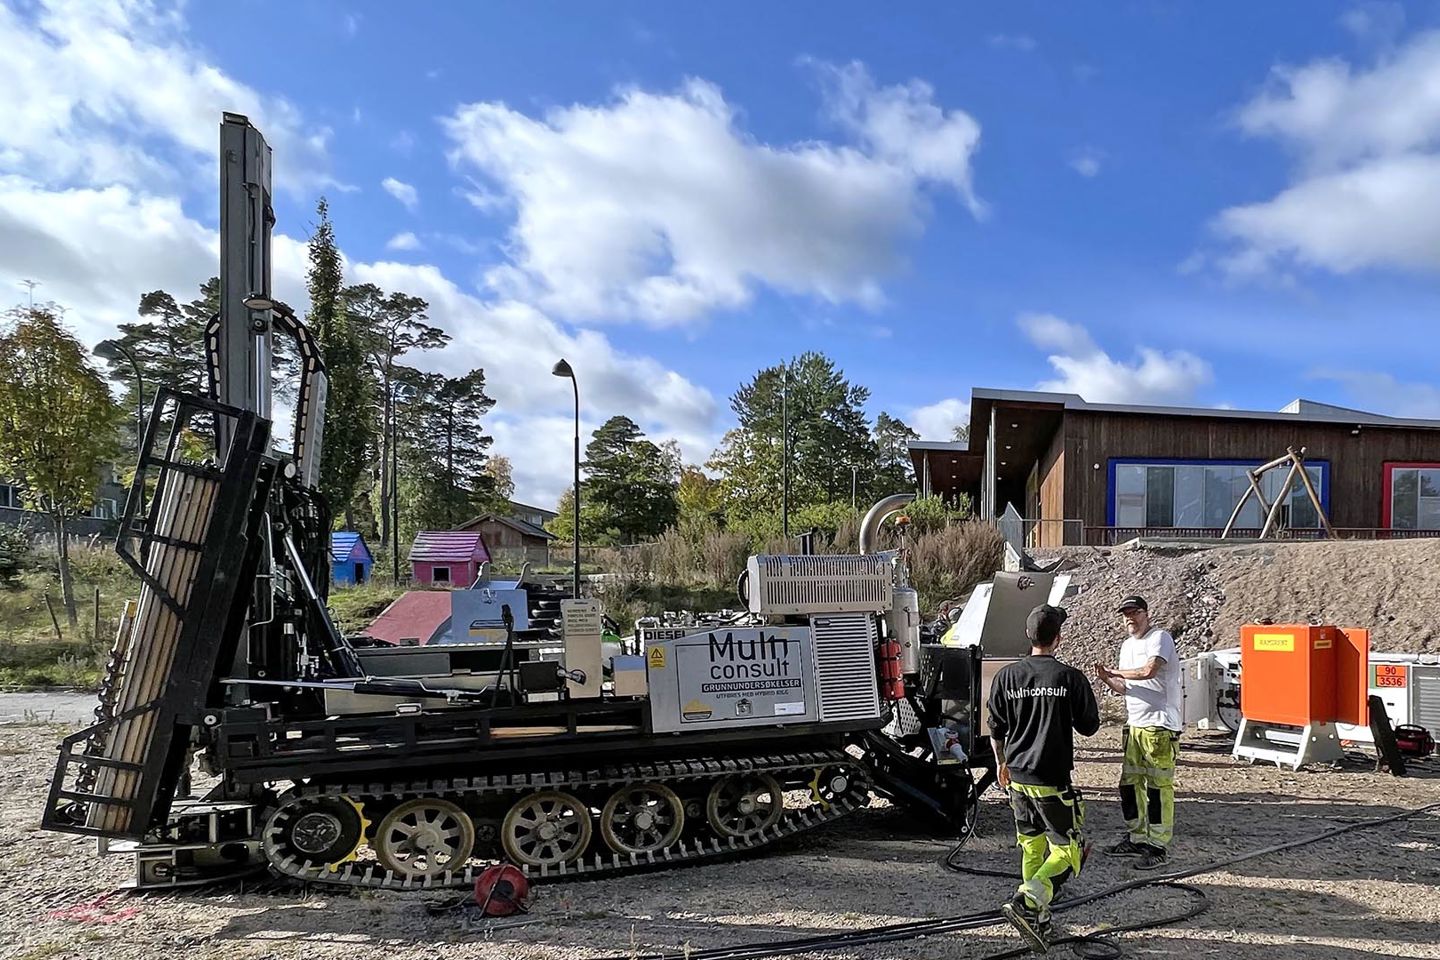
(1027, 922)
(1127, 848)
(1153, 859)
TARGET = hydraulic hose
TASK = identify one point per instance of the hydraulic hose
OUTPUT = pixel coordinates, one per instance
(975, 921)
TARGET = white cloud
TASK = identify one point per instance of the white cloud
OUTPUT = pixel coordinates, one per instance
(937, 421)
(1083, 368)
(1018, 41)
(1086, 161)
(85, 87)
(403, 192)
(1383, 213)
(404, 241)
(658, 207)
(1367, 187)
(111, 128)
(350, 25)
(1383, 393)
(517, 345)
(1379, 22)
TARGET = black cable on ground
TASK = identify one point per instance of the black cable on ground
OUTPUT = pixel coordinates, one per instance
(975, 921)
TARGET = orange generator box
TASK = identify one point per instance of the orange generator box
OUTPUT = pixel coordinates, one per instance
(1298, 674)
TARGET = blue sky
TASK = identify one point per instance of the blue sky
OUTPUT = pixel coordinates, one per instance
(1226, 204)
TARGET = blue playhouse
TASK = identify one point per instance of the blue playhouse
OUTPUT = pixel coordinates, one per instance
(350, 559)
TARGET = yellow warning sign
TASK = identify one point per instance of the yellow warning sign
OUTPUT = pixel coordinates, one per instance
(657, 658)
(1275, 642)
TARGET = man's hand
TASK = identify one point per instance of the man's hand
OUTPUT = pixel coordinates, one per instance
(1002, 775)
(1113, 679)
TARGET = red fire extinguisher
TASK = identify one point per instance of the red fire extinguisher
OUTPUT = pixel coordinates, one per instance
(892, 686)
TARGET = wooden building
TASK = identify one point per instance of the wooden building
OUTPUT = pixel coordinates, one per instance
(447, 557)
(510, 538)
(1080, 472)
(350, 558)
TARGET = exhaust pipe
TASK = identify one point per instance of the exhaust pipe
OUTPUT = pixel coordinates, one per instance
(870, 526)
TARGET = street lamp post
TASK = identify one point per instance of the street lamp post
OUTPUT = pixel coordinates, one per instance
(114, 350)
(408, 393)
(785, 454)
(563, 369)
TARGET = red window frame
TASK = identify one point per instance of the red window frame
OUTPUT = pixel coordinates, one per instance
(1389, 468)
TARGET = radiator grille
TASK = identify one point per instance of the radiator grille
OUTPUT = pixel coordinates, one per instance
(781, 585)
(845, 667)
(1425, 707)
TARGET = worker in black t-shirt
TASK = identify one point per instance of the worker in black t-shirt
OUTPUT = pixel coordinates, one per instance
(1036, 706)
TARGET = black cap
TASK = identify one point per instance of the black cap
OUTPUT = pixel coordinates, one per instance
(1043, 624)
(1132, 602)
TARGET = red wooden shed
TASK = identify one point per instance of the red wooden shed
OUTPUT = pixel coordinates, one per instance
(447, 557)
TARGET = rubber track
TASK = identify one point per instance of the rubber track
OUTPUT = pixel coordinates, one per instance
(373, 876)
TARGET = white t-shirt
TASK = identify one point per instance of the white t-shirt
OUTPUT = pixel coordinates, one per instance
(1155, 702)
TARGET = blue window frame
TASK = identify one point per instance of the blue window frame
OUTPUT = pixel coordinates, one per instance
(1170, 492)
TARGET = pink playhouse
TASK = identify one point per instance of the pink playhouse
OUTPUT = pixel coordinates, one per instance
(447, 557)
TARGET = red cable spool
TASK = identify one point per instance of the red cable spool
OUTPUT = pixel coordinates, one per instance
(501, 890)
(892, 686)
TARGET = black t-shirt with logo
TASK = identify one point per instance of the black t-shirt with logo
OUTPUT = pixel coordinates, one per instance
(1036, 706)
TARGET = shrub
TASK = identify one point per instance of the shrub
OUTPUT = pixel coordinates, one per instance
(16, 554)
(948, 563)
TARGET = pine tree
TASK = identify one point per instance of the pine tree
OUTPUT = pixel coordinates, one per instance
(390, 326)
(348, 432)
(630, 482)
(895, 471)
(829, 435)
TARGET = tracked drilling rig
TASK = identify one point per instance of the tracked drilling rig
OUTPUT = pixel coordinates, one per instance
(238, 728)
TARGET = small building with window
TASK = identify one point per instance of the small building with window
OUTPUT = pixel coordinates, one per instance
(101, 519)
(350, 559)
(512, 539)
(1087, 473)
(447, 557)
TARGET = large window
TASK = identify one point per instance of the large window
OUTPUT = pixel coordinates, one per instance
(1412, 496)
(9, 496)
(1202, 494)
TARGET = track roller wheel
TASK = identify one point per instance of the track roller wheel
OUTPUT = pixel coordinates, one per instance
(743, 804)
(642, 818)
(546, 829)
(318, 832)
(424, 838)
(830, 784)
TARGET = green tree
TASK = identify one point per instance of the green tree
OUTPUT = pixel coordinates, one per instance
(58, 424)
(349, 433)
(829, 435)
(592, 520)
(697, 495)
(502, 479)
(443, 447)
(168, 344)
(389, 326)
(630, 481)
(895, 471)
(961, 433)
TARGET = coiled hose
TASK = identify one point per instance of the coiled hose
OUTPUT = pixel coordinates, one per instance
(975, 921)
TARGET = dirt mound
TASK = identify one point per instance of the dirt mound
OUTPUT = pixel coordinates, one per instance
(1204, 595)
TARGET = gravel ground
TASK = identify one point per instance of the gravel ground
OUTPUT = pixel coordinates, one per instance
(1203, 596)
(1367, 893)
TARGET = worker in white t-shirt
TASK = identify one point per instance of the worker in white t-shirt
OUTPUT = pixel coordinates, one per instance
(1149, 679)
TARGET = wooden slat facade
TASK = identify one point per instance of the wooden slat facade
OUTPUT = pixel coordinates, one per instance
(1356, 459)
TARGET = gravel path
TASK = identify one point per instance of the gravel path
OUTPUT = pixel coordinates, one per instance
(1369, 893)
(53, 706)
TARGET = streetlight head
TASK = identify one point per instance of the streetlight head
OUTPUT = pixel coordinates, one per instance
(258, 301)
(562, 369)
(106, 350)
